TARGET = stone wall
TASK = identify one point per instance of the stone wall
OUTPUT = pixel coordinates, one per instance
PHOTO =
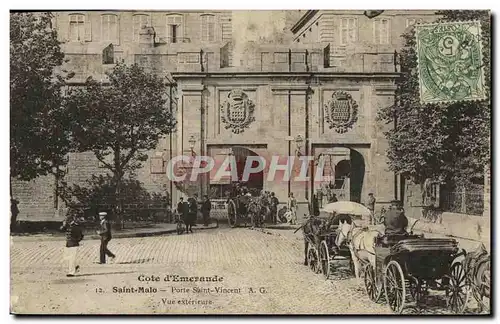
(475, 228)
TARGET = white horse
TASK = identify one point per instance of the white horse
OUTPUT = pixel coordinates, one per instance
(361, 244)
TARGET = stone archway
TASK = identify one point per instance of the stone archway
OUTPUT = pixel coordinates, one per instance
(221, 188)
(255, 180)
(347, 168)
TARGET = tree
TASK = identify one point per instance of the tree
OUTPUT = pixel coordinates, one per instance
(119, 121)
(444, 142)
(39, 130)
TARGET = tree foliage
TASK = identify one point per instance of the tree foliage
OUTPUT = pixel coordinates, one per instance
(445, 142)
(39, 132)
(119, 121)
(98, 194)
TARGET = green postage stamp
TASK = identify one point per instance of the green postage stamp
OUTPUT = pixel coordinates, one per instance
(450, 62)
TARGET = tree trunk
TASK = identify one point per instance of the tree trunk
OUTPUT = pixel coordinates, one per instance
(118, 200)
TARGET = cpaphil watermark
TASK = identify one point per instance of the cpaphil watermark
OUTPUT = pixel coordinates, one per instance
(277, 168)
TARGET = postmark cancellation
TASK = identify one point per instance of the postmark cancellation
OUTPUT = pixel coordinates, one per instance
(450, 62)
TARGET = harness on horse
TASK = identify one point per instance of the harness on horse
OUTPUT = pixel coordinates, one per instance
(350, 237)
(474, 262)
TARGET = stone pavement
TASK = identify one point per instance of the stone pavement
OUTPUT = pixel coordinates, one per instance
(265, 260)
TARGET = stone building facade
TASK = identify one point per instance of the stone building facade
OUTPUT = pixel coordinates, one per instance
(318, 96)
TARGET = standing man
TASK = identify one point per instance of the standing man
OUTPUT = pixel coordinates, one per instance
(315, 205)
(74, 235)
(192, 211)
(105, 233)
(292, 207)
(319, 196)
(370, 204)
(14, 211)
(274, 208)
(206, 206)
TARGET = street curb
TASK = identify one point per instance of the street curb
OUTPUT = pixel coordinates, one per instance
(115, 235)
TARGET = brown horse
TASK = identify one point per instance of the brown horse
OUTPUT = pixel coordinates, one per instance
(361, 243)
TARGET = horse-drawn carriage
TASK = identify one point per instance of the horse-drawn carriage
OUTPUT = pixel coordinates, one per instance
(321, 253)
(408, 266)
(243, 209)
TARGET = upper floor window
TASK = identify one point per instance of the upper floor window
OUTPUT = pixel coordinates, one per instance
(77, 27)
(348, 30)
(109, 28)
(174, 28)
(208, 28)
(139, 22)
(381, 31)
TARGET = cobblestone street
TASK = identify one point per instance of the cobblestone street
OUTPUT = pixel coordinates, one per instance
(268, 262)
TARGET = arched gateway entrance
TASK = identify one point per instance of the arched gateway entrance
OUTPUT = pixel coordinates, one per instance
(220, 188)
(344, 173)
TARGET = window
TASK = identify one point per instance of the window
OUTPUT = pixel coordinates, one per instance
(381, 31)
(139, 22)
(77, 27)
(207, 28)
(348, 30)
(109, 28)
(174, 28)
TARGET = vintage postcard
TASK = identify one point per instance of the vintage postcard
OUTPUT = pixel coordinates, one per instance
(250, 162)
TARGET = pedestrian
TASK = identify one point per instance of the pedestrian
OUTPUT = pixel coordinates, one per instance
(206, 206)
(14, 211)
(274, 208)
(192, 211)
(315, 205)
(292, 208)
(370, 204)
(74, 234)
(319, 197)
(105, 233)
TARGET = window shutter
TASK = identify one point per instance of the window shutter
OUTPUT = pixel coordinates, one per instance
(88, 30)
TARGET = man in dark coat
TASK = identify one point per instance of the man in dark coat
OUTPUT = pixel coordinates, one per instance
(395, 220)
(105, 233)
(192, 212)
(274, 208)
(74, 234)
(315, 205)
(206, 206)
(14, 211)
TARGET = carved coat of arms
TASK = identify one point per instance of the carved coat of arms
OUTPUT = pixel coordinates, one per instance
(341, 112)
(237, 111)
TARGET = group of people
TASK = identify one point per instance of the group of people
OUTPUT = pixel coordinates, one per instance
(73, 226)
(188, 211)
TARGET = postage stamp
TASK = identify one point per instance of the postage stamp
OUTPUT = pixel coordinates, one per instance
(450, 62)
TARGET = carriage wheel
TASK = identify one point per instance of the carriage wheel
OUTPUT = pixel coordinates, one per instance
(373, 290)
(231, 213)
(312, 259)
(324, 258)
(394, 286)
(458, 288)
